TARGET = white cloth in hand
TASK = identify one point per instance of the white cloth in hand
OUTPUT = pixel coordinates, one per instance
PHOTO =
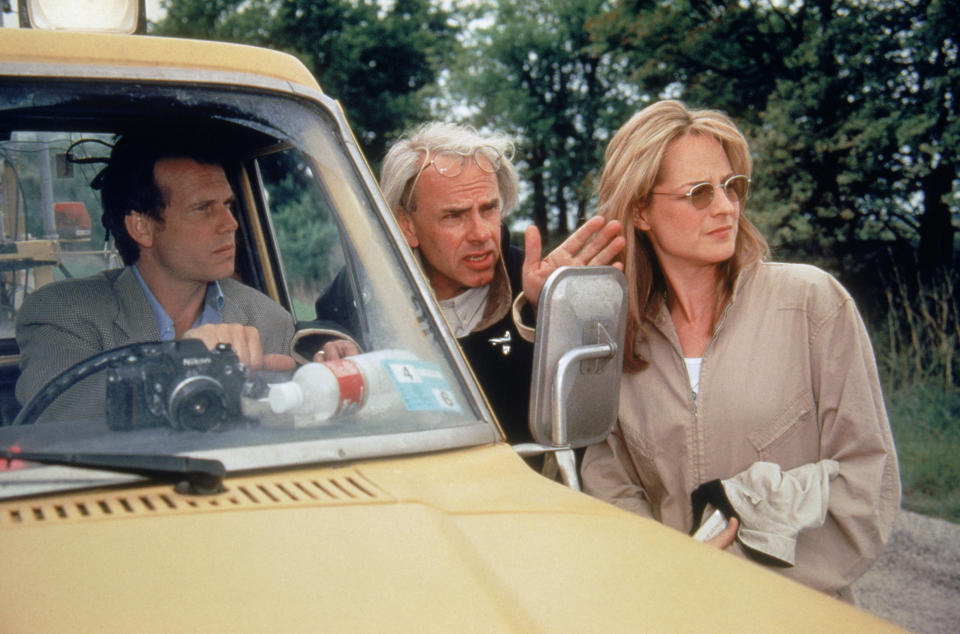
(775, 505)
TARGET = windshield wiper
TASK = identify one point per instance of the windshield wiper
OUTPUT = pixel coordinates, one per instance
(200, 476)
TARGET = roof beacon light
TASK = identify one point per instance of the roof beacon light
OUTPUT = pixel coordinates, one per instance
(102, 16)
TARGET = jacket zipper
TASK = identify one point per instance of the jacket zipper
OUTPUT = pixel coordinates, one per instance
(716, 333)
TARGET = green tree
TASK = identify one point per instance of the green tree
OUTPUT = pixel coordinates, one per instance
(851, 106)
(928, 129)
(381, 63)
(533, 72)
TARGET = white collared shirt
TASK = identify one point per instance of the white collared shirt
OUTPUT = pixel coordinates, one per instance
(464, 311)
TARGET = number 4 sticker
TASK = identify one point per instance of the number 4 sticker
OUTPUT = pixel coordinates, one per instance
(405, 373)
(422, 386)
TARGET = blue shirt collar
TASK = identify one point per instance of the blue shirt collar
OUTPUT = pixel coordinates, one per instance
(212, 312)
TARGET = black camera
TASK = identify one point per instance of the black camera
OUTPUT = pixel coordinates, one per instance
(179, 384)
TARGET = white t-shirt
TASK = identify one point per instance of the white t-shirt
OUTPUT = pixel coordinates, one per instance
(693, 372)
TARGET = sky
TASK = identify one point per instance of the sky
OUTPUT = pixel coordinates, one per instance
(154, 12)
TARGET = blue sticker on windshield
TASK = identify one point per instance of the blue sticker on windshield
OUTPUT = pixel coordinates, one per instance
(421, 385)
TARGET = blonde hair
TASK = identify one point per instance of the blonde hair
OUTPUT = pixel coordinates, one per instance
(632, 165)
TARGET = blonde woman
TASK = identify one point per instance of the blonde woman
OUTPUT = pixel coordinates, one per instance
(749, 386)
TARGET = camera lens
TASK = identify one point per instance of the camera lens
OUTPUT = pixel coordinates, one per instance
(197, 403)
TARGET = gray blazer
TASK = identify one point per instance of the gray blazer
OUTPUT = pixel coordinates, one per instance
(68, 321)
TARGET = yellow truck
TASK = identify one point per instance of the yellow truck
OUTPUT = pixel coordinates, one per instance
(405, 512)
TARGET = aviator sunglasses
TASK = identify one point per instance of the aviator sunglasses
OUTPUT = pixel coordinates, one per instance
(701, 194)
(451, 163)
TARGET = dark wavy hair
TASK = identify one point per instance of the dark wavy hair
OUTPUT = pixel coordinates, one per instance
(127, 183)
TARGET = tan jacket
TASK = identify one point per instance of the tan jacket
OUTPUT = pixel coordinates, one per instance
(789, 378)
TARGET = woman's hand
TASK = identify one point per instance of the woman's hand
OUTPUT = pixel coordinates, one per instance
(726, 537)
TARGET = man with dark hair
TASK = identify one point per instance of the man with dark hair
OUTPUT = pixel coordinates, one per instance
(169, 206)
(129, 182)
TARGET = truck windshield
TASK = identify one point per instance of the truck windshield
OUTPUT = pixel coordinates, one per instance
(312, 234)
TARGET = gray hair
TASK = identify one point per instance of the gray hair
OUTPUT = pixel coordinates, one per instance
(405, 158)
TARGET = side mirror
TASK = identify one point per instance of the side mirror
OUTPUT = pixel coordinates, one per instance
(577, 363)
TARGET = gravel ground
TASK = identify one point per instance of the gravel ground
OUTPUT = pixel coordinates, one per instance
(916, 582)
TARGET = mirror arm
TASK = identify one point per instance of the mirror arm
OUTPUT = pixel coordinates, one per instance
(566, 459)
(563, 454)
(560, 385)
(567, 464)
(527, 449)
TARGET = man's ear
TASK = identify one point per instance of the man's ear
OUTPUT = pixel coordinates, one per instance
(408, 228)
(140, 228)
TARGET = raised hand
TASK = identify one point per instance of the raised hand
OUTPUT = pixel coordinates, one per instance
(596, 242)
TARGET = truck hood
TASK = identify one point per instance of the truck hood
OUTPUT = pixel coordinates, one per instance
(463, 541)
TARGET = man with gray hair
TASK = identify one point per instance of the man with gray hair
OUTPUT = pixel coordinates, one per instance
(450, 189)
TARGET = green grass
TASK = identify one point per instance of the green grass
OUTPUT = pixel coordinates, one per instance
(303, 309)
(918, 349)
(925, 419)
